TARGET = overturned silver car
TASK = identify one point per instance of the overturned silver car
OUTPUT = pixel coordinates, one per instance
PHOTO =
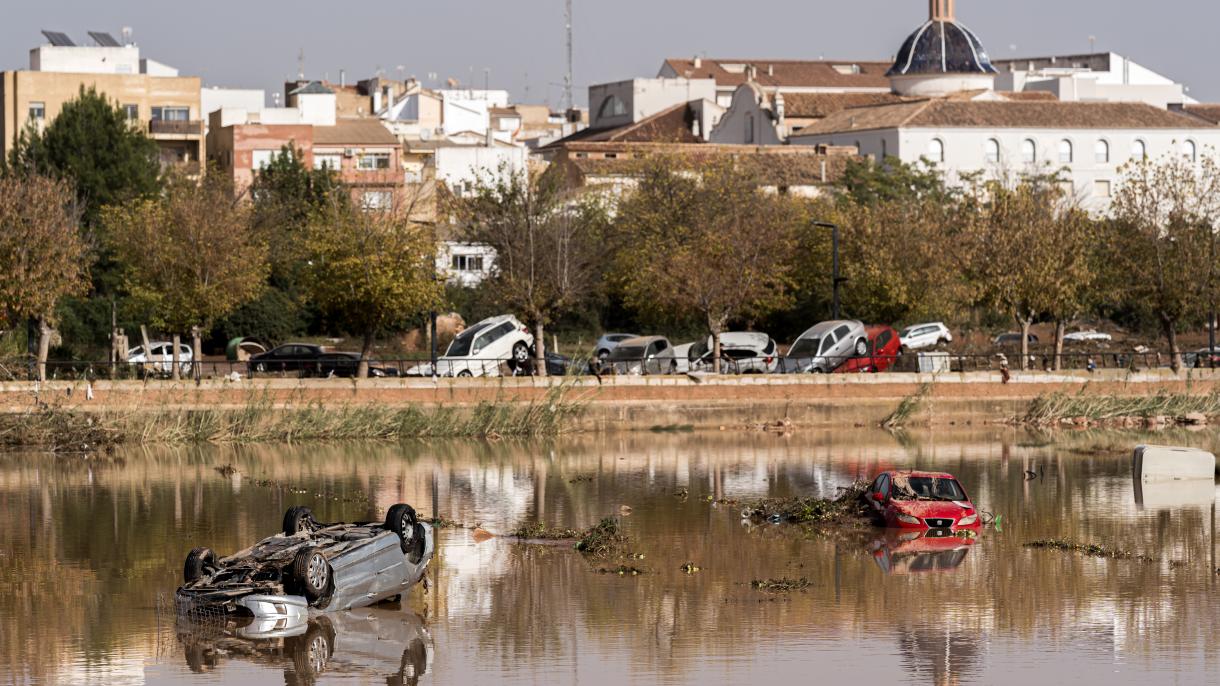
(327, 567)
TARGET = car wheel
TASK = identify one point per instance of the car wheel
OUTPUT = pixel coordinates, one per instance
(261, 367)
(465, 374)
(861, 348)
(311, 573)
(942, 342)
(198, 563)
(400, 519)
(521, 355)
(419, 540)
(298, 519)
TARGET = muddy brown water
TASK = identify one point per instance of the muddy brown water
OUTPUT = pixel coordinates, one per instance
(91, 549)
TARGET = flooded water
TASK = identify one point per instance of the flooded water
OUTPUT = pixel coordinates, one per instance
(91, 550)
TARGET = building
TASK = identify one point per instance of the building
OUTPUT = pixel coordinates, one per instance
(951, 117)
(1096, 77)
(615, 167)
(758, 116)
(153, 95)
(786, 76)
(366, 155)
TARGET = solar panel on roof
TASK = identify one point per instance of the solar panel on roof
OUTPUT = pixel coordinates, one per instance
(104, 39)
(59, 39)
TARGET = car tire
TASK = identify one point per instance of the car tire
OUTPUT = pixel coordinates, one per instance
(465, 374)
(415, 549)
(942, 342)
(198, 562)
(521, 356)
(861, 348)
(261, 367)
(400, 519)
(298, 519)
(310, 573)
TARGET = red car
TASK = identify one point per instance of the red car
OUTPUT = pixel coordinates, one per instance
(917, 552)
(884, 345)
(922, 500)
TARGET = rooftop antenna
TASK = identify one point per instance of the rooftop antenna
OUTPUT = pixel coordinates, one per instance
(527, 87)
(1092, 44)
(301, 65)
(486, 80)
(567, 78)
(126, 33)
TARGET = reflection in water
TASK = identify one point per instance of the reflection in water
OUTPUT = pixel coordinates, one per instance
(91, 548)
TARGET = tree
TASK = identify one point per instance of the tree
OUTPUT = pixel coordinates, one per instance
(371, 270)
(710, 244)
(189, 256)
(42, 255)
(548, 245)
(866, 183)
(1163, 238)
(93, 144)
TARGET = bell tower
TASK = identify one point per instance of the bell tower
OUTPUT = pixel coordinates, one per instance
(941, 10)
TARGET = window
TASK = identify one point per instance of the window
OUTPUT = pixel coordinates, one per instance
(1101, 152)
(331, 161)
(171, 114)
(1190, 151)
(750, 128)
(884, 152)
(1065, 151)
(991, 151)
(131, 111)
(612, 106)
(1029, 151)
(1101, 188)
(261, 159)
(1139, 150)
(372, 161)
(936, 151)
(467, 263)
(38, 111)
(376, 200)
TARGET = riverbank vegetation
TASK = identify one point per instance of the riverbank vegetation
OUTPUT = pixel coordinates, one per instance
(259, 420)
(1055, 408)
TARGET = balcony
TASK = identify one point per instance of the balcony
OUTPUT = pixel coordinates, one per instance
(181, 128)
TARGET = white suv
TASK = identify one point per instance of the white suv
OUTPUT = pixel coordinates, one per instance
(479, 350)
(922, 336)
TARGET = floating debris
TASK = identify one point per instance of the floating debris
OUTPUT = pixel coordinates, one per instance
(689, 568)
(440, 522)
(226, 470)
(784, 585)
(683, 494)
(621, 570)
(1091, 549)
(583, 478)
(846, 507)
(541, 532)
(602, 540)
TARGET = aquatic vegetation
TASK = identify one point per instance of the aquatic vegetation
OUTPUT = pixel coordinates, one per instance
(907, 408)
(542, 532)
(604, 539)
(784, 585)
(1053, 408)
(846, 507)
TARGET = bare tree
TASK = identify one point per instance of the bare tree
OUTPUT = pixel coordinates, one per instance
(42, 255)
(189, 256)
(548, 244)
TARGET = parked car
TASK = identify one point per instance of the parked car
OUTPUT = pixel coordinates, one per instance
(1013, 339)
(1203, 357)
(921, 500)
(884, 346)
(922, 336)
(290, 357)
(608, 342)
(310, 565)
(480, 349)
(824, 347)
(559, 365)
(901, 553)
(1089, 336)
(160, 359)
(643, 355)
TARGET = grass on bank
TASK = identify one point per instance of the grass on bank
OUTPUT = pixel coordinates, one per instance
(260, 421)
(1050, 409)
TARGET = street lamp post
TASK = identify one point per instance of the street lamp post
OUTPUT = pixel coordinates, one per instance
(836, 280)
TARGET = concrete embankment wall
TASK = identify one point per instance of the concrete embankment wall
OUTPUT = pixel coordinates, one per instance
(637, 402)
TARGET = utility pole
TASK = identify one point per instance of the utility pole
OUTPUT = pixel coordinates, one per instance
(836, 280)
(568, 102)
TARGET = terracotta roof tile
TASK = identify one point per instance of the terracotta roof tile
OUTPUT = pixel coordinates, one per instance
(671, 125)
(787, 73)
(818, 105)
(354, 132)
(773, 165)
(1207, 112)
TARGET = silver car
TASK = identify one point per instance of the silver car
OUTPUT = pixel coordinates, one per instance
(308, 565)
(608, 342)
(643, 355)
(826, 346)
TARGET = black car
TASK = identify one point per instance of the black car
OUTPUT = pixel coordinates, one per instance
(347, 365)
(290, 357)
(559, 365)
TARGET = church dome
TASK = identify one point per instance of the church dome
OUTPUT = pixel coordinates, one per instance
(941, 56)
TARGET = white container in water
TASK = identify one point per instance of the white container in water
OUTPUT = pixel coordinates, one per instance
(1152, 463)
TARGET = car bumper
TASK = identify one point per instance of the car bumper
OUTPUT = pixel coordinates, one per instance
(275, 607)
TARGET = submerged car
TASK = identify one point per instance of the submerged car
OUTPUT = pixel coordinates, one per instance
(919, 552)
(310, 565)
(921, 500)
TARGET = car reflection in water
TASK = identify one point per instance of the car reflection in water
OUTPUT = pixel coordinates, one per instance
(382, 641)
(916, 552)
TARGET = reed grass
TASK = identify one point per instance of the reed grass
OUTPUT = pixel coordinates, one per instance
(1051, 408)
(907, 408)
(260, 420)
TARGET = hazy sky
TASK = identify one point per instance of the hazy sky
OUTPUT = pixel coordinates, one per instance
(255, 43)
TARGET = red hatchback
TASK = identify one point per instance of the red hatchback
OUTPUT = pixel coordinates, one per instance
(922, 500)
(884, 345)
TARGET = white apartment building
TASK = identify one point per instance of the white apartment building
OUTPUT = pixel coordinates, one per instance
(1098, 77)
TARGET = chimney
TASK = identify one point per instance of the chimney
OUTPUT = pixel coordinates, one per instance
(698, 62)
(342, 78)
(941, 10)
(770, 70)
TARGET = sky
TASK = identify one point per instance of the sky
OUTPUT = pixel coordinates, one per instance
(519, 45)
